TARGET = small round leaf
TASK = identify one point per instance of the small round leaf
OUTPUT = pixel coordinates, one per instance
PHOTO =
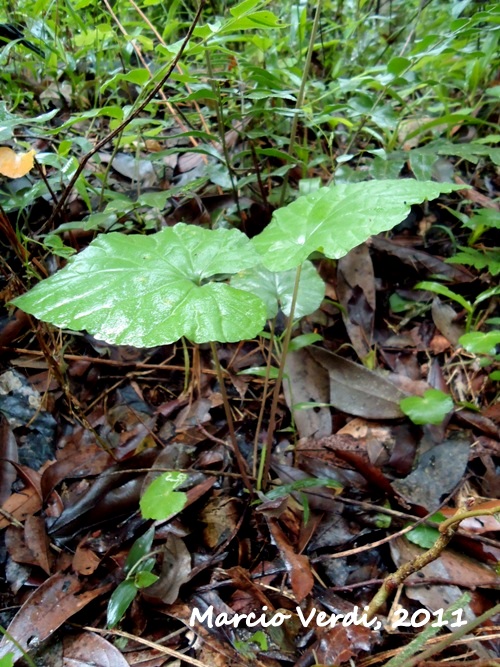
(161, 500)
(431, 408)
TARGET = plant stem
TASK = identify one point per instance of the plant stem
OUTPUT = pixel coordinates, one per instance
(396, 578)
(222, 133)
(230, 424)
(403, 657)
(460, 516)
(263, 407)
(447, 530)
(301, 95)
(279, 380)
(449, 639)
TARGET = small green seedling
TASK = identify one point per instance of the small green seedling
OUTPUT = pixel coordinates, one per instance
(160, 501)
(431, 408)
(470, 308)
(137, 568)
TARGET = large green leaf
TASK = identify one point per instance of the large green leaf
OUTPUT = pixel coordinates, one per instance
(276, 289)
(334, 220)
(152, 290)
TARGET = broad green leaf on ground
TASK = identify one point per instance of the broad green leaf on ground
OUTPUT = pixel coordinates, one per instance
(276, 289)
(152, 290)
(334, 220)
(431, 408)
(161, 500)
(478, 342)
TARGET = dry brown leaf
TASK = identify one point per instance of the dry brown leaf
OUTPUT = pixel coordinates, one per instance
(15, 165)
(45, 610)
(38, 542)
(356, 292)
(85, 561)
(308, 383)
(20, 505)
(301, 578)
(88, 648)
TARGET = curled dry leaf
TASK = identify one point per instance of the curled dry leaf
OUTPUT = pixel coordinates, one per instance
(356, 292)
(175, 571)
(38, 542)
(308, 382)
(15, 165)
(20, 505)
(301, 578)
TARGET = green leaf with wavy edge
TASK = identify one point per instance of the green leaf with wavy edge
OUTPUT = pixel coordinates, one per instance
(431, 408)
(276, 289)
(334, 220)
(161, 500)
(152, 290)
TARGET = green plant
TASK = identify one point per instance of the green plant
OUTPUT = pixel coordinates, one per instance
(431, 408)
(152, 290)
(469, 307)
(138, 575)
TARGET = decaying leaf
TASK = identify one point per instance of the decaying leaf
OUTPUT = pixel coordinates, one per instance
(358, 391)
(45, 610)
